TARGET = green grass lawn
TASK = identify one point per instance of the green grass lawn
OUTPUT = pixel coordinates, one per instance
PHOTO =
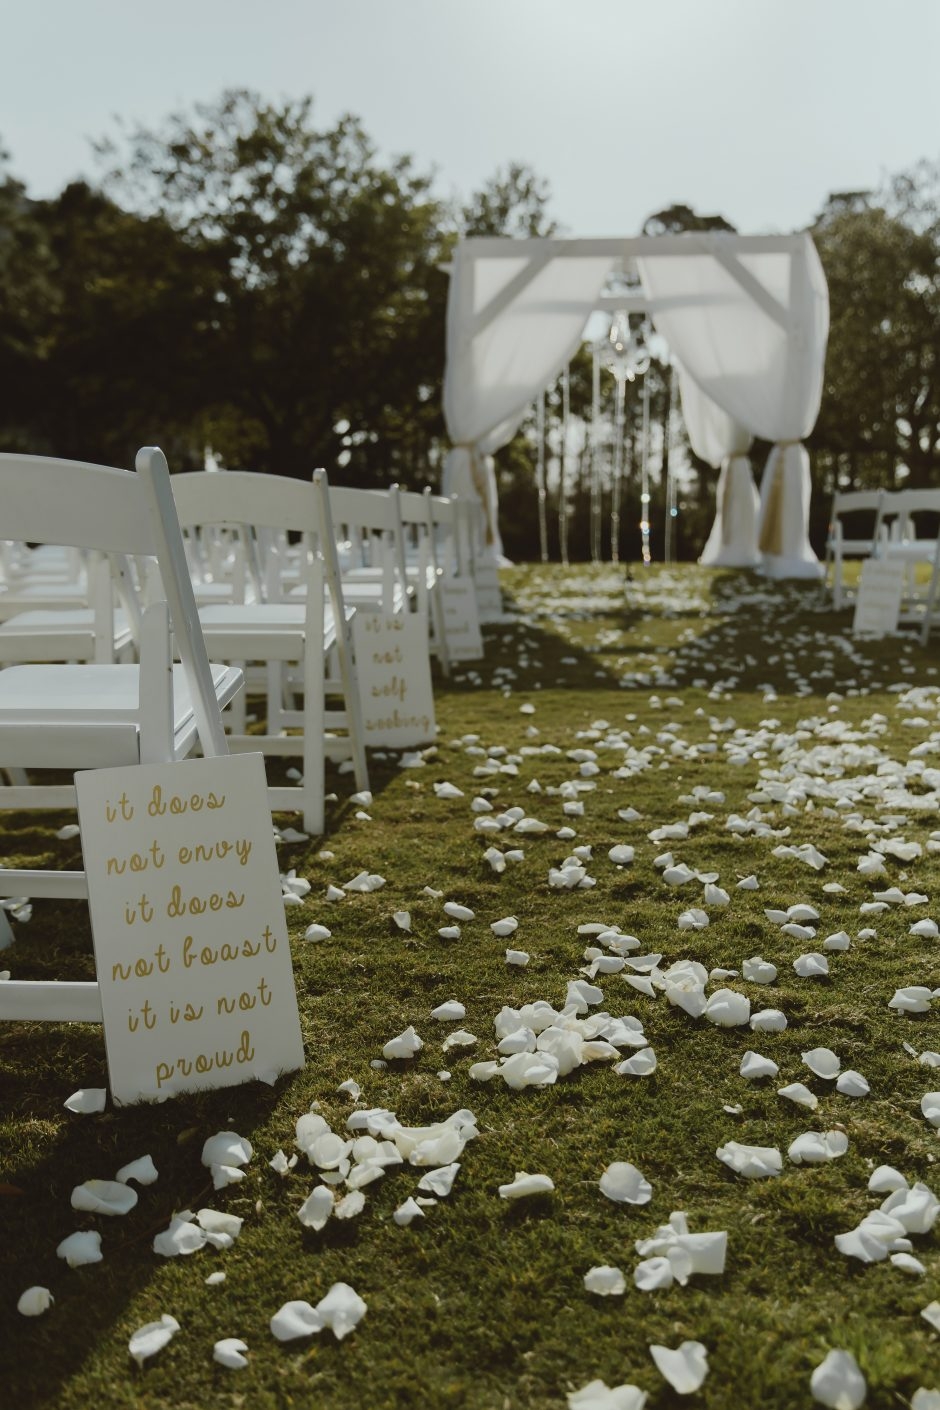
(687, 685)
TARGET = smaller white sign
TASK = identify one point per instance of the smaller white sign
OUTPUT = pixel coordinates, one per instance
(461, 619)
(394, 669)
(878, 603)
(191, 948)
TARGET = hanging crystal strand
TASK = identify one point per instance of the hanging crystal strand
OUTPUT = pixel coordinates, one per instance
(595, 456)
(563, 466)
(645, 475)
(619, 421)
(671, 443)
(540, 475)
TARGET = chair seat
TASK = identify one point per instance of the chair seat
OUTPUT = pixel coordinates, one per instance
(911, 551)
(100, 701)
(259, 631)
(47, 635)
(54, 596)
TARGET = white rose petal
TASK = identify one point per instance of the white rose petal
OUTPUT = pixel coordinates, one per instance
(228, 1353)
(623, 1183)
(525, 1184)
(751, 1162)
(152, 1337)
(34, 1302)
(104, 1197)
(87, 1100)
(605, 1281)
(685, 1368)
(838, 1383)
(80, 1248)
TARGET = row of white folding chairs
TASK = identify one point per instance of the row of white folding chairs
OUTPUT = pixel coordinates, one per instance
(886, 524)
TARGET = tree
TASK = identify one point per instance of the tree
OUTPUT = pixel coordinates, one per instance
(324, 343)
(513, 202)
(28, 300)
(880, 415)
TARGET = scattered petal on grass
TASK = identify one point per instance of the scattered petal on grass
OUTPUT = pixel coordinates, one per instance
(685, 1368)
(838, 1382)
(908, 1264)
(605, 1281)
(152, 1337)
(818, 1147)
(451, 1011)
(518, 957)
(798, 1092)
(407, 1212)
(87, 1100)
(80, 1248)
(726, 1008)
(505, 927)
(642, 1064)
(317, 1208)
(458, 912)
(597, 1395)
(181, 1238)
(104, 1197)
(341, 1310)
(885, 1180)
(405, 1045)
(930, 1106)
(822, 1062)
(439, 1182)
(317, 932)
(214, 1279)
(227, 1148)
(751, 1162)
(811, 966)
(142, 1171)
(525, 1184)
(34, 1302)
(623, 1183)
(365, 882)
(228, 1353)
(914, 998)
(350, 1205)
(852, 1084)
(295, 1319)
(759, 971)
(755, 1066)
(924, 1399)
(768, 1021)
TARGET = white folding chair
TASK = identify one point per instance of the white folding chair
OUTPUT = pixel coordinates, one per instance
(371, 555)
(93, 715)
(853, 539)
(304, 634)
(912, 540)
(423, 567)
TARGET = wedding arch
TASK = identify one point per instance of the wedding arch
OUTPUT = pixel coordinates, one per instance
(746, 316)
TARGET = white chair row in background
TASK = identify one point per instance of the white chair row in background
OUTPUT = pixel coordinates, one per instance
(901, 526)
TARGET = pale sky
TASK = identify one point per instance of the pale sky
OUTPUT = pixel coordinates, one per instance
(755, 109)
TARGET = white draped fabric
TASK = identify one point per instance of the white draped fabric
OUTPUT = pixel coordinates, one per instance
(751, 328)
(723, 442)
(513, 321)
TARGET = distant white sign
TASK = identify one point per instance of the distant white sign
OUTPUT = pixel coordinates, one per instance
(878, 603)
(394, 671)
(191, 948)
(461, 619)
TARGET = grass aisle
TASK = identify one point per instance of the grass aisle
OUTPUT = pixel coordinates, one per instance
(694, 699)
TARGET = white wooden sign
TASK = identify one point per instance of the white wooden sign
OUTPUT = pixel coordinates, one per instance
(191, 948)
(394, 670)
(878, 603)
(461, 619)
